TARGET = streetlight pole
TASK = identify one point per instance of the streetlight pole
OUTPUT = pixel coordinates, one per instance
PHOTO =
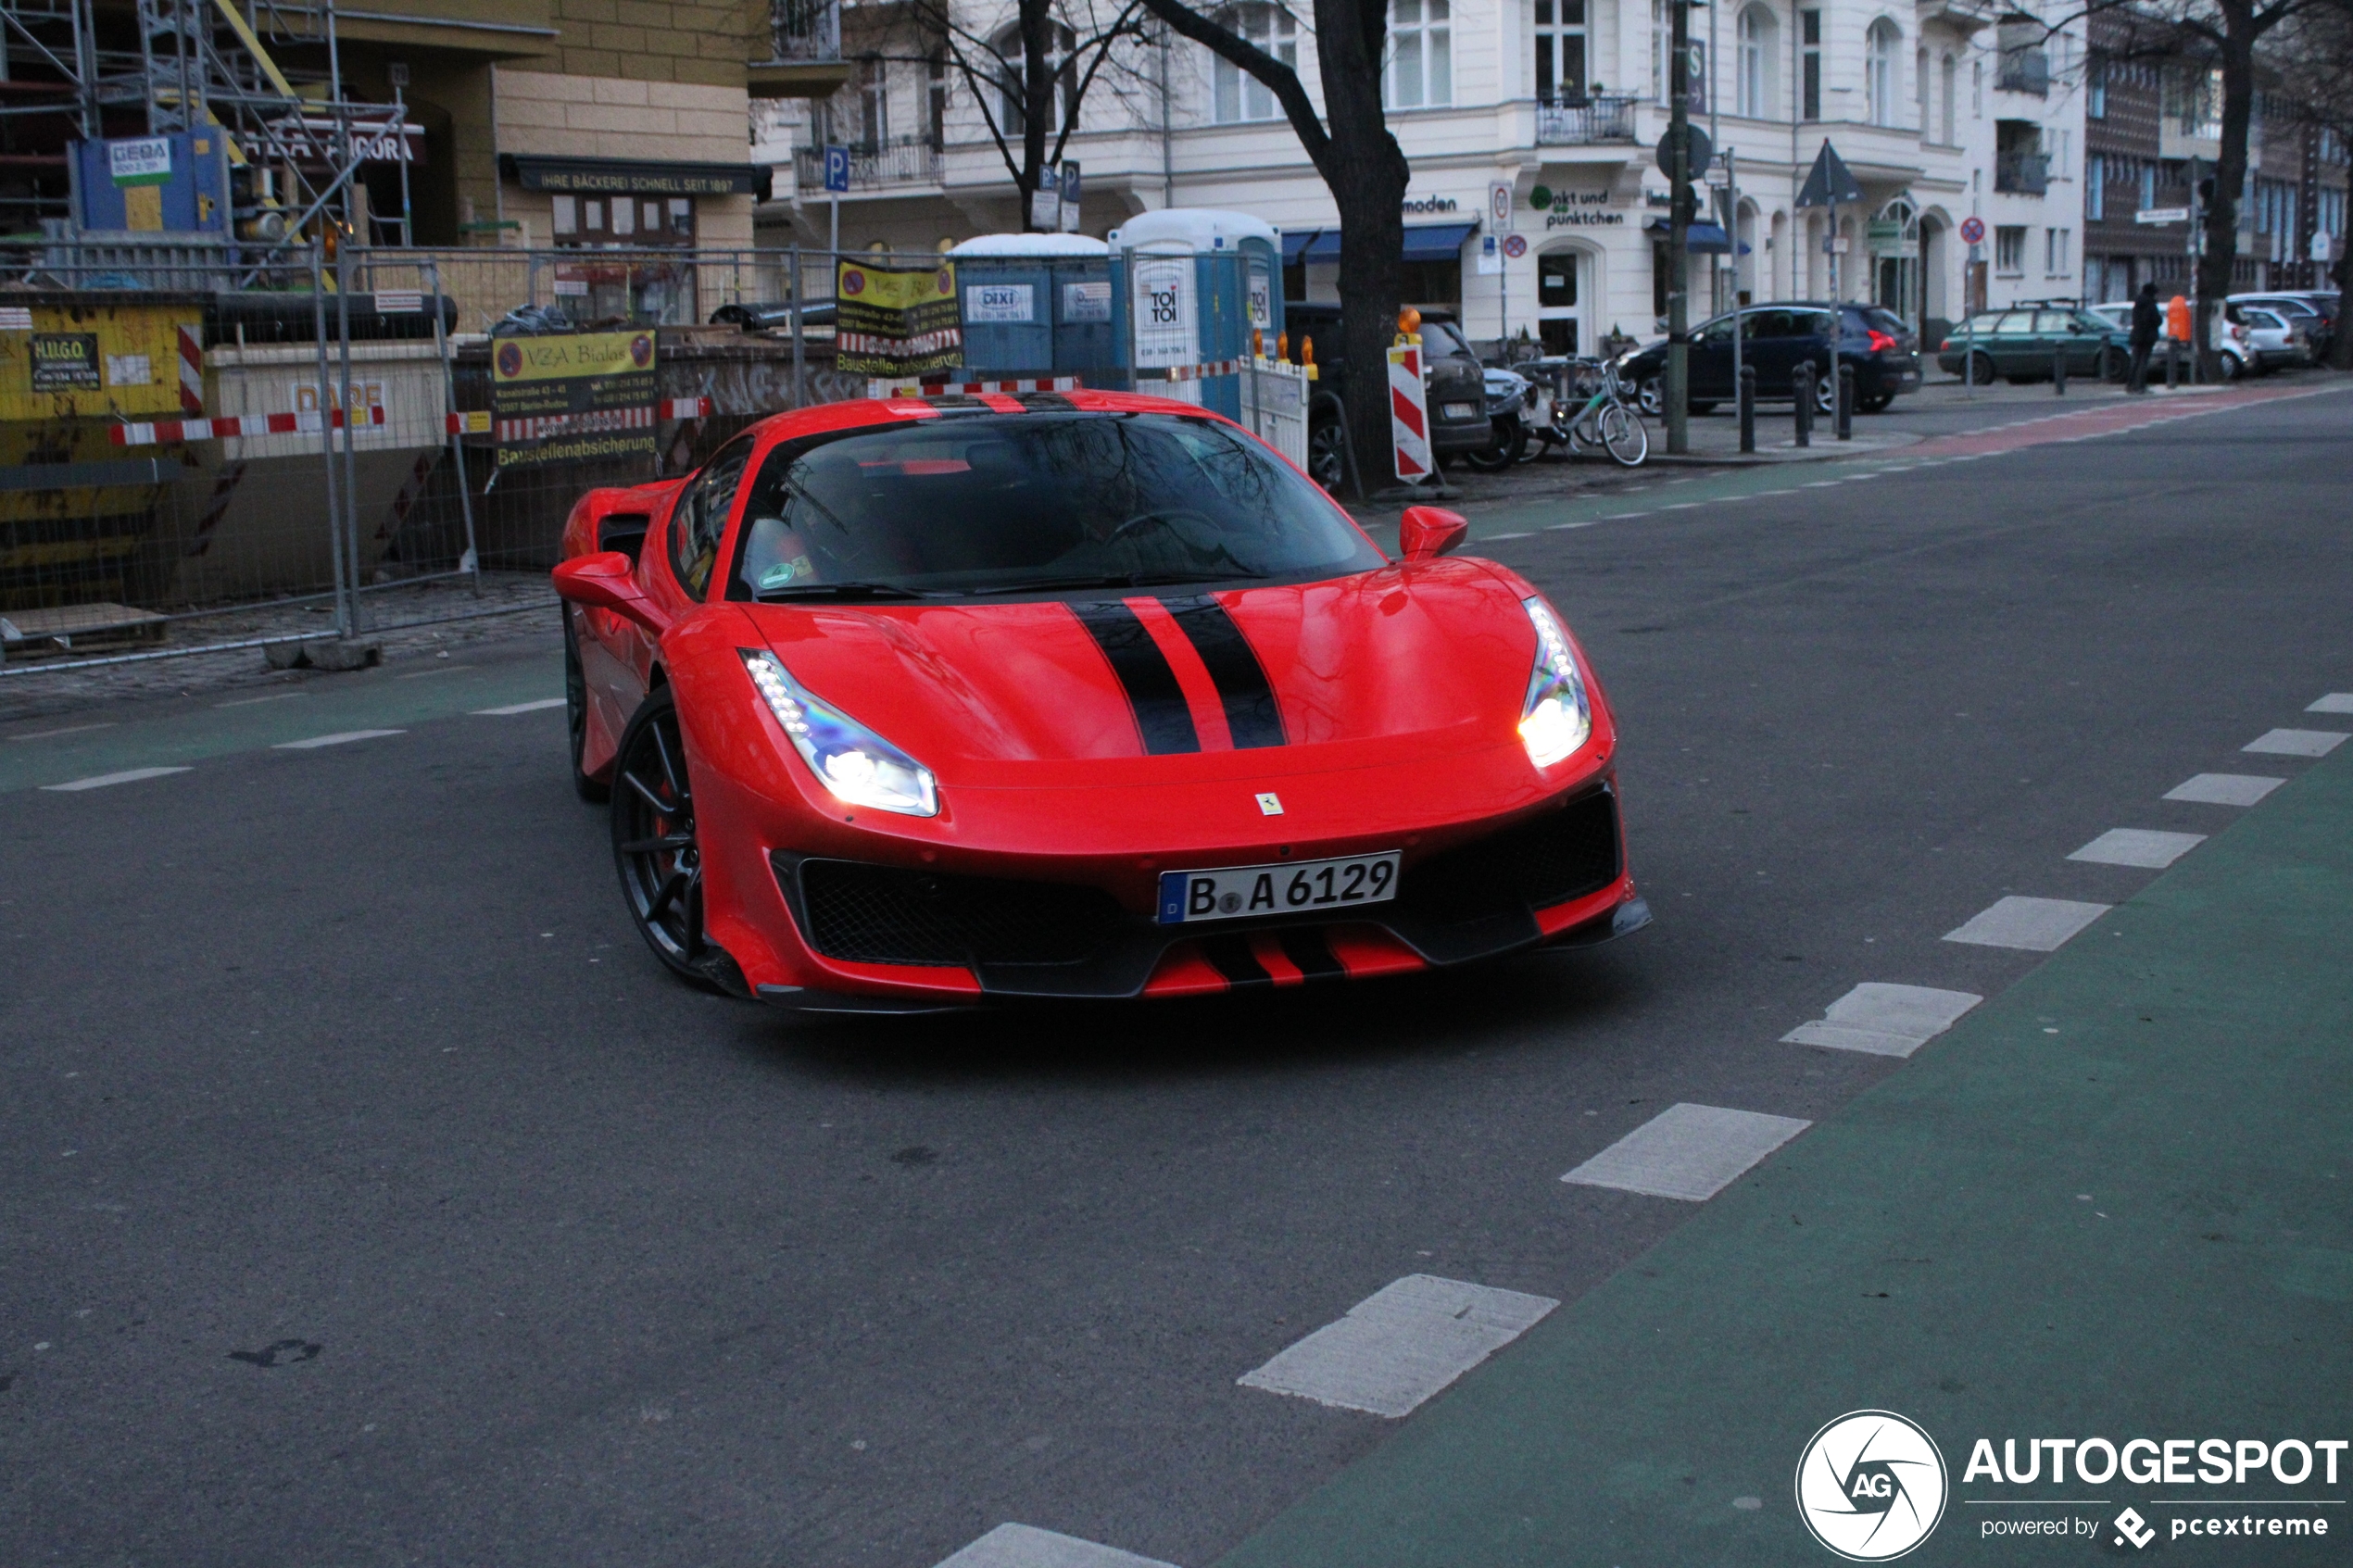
(1679, 227)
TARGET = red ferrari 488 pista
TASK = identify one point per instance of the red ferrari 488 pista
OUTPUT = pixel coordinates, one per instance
(909, 705)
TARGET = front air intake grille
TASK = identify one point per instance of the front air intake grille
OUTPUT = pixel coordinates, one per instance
(1562, 855)
(884, 914)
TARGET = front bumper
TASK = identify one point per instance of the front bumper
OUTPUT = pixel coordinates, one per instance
(899, 939)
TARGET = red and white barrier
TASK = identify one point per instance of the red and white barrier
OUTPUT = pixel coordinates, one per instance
(162, 433)
(1408, 414)
(190, 373)
(885, 388)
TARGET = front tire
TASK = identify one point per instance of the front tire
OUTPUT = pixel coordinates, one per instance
(576, 716)
(1327, 456)
(1624, 437)
(1826, 392)
(1980, 369)
(654, 844)
(1508, 445)
(1651, 393)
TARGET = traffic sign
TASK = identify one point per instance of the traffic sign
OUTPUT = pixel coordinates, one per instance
(836, 169)
(2162, 215)
(1515, 246)
(1701, 151)
(1972, 230)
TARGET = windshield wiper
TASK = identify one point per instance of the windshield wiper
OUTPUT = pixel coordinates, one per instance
(847, 590)
(1114, 579)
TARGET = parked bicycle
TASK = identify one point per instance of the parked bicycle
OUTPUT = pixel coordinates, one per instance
(1606, 419)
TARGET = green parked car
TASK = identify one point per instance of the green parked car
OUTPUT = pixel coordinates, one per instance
(2023, 344)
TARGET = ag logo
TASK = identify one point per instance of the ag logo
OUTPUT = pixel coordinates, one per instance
(1871, 1486)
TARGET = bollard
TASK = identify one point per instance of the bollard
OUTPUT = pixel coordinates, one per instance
(2058, 371)
(1803, 380)
(1846, 402)
(1748, 407)
(2173, 363)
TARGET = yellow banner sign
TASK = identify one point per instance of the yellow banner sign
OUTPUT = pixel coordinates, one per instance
(571, 355)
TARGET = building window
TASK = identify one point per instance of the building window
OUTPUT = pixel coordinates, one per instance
(631, 221)
(1919, 88)
(1977, 89)
(1879, 71)
(2095, 188)
(935, 102)
(873, 103)
(2148, 184)
(1695, 68)
(1753, 93)
(1560, 51)
(1809, 27)
(2054, 253)
(2328, 212)
(2096, 92)
(2009, 249)
(1060, 106)
(1237, 94)
(1421, 54)
(1951, 82)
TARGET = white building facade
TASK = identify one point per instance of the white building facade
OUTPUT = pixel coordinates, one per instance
(1530, 123)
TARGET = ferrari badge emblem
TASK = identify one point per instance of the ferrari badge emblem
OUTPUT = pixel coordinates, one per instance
(1268, 806)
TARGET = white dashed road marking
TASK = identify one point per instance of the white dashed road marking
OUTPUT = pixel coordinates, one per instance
(2295, 742)
(514, 707)
(2225, 790)
(2038, 925)
(69, 730)
(1025, 1546)
(1885, 1019)
(249, 701)
(2138, 847)
(2335, 702)
(1687, 1151)
(342, 739)
(1401, 1345)
(128, 775)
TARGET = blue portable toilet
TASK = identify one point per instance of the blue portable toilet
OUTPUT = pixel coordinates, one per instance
(1036, 305)
(1173, 314)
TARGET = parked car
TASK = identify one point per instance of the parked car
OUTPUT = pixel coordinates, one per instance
(2023, 341)
(2231, 340)
(2274, 339)
(2306, 310)
(1452, 376)
(1777, 339)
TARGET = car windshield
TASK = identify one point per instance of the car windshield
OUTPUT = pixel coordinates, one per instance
(1006, 503)
(1441, 337)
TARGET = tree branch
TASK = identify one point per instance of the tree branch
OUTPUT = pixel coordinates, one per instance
(1279, 78)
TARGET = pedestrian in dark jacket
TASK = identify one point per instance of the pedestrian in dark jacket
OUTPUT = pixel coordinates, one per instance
(2146, 317)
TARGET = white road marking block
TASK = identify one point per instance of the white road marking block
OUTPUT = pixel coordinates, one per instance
(2138, 847)
(1025, 1546)
(2223, 789)
(514, 707)
(1691, 1152)
(100, 781)
(1401, 1345)
(2295, 742)
(1885, 1019)
(342, 739)
(2335, 702)
(2038, 925)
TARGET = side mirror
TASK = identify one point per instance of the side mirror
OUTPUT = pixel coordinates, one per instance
(1427, 532)
(607, 579)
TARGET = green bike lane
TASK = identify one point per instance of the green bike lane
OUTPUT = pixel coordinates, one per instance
(45, 754)
(2111, 1202)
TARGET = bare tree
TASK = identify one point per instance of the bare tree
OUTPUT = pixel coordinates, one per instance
(2312, 78)
(1361, 163)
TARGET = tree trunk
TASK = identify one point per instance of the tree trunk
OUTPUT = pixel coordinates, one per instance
(1036, 101)
(1367, 173)
(2219, 255)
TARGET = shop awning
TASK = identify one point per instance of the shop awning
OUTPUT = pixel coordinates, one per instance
(636, 177)
(1424, 242)
(1700, 239)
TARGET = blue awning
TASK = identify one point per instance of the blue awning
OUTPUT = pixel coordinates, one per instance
(1437, 242)
(1325, 246)
(1700, 239)
(1296, 241)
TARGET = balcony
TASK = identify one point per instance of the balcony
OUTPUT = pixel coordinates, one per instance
(910, 160)
(2022, 174)
(2025, 70)
(804, 52)
(1576, 122)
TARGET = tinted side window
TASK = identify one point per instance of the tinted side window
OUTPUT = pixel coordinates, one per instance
(701, 517)
(2012, 322)
(1816, 325)
(1717, 333)
(2057, 322)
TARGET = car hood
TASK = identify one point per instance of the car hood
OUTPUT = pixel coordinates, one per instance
(1335, 673)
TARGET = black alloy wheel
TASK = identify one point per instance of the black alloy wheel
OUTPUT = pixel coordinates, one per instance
(653, 840)
(2115, 365)
(1980, 369)
(1327, 458)
(576, 716)
(1507, 444)
(1825, 391)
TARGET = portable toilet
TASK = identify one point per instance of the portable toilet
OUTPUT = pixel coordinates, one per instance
(1037, 305)
(1194, 282)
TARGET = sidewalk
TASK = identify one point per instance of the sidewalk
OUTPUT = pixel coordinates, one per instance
(2112, 1202)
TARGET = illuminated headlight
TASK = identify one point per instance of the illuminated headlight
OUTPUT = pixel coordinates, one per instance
(1557, 718)
(857, 765)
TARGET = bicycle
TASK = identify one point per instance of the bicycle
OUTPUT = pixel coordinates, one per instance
(1609, 419)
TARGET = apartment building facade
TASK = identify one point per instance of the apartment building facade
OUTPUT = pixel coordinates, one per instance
(1530, 123)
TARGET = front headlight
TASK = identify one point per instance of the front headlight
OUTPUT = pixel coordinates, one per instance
(857, 765)
(1557, 718)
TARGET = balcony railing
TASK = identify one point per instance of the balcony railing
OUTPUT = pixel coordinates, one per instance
(2025, 70)
(908, 161)
(805, 30)
(1569, 123)
(2022, 174)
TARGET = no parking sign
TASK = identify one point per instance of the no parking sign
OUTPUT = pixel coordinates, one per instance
(1972, 230)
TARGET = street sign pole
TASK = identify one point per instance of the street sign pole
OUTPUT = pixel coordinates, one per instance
(836, 181)
(1732, 238)
(1679, 226)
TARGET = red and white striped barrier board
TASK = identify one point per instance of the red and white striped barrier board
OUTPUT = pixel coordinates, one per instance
(684, 408)
(162, 433)
(970, 388)
(474, 423)
(1193, 372)
(1408, 414)
(595, 421)
(190, 373)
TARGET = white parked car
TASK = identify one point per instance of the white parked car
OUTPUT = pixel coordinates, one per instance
(2274, 339)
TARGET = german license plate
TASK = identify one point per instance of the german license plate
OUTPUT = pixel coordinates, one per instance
(1462, 410)
(1293, 887)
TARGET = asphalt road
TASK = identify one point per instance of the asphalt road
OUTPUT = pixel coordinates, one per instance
(370, 1197)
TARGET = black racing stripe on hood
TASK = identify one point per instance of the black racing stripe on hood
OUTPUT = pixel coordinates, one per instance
(1251, 713)
(1162, 718)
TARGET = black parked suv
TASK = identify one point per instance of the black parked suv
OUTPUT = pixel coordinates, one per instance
(1777, 339)
(1453, 379)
